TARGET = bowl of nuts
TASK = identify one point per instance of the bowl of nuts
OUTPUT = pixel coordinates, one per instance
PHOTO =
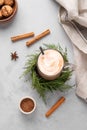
(8, 9)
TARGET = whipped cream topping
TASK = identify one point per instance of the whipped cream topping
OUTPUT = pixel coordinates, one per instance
(51, 63)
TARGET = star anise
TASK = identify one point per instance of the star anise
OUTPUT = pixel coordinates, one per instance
(14, 56)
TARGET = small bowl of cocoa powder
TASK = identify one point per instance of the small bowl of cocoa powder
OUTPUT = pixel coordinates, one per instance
(27, 105)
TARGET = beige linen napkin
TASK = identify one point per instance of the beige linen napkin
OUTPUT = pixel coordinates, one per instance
(73, 17)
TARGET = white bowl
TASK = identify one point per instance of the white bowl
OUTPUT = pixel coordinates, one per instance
(28, 98)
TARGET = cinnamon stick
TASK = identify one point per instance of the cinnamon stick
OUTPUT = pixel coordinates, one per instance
(55, 106)
(38, 37)
(22, 36)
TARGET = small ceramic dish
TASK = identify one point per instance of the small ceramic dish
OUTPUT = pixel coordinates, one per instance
(27, 105)
(7, 19)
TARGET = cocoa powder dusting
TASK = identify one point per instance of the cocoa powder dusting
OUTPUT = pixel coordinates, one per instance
(27, 105)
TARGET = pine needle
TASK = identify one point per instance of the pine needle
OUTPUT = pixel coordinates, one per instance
(42, 85)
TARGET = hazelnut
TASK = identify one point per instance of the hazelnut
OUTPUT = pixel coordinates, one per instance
(6, 10)
(1, 2)
(9, 2)
(0, 14)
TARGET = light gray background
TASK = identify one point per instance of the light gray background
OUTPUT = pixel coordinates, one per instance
(37, 16)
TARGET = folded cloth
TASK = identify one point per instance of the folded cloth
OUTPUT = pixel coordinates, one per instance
(76, 9)
(73, 17)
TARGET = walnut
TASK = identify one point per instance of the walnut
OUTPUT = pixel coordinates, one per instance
(0, 14)
(1, 2)
(6, 10)
(9, 2)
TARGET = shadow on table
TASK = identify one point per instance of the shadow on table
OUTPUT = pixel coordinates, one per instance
(28, 117)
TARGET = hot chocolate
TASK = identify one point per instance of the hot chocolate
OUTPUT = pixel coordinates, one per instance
(50, 64)
(27, 105)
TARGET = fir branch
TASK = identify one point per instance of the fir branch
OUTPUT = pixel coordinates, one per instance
(42, 85)
(51, 46)
(37, 85)
(31, 63)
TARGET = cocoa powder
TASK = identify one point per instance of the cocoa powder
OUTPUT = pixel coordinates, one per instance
(27, 105)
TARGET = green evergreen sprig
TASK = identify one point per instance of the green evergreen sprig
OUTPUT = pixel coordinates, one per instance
(42, 85)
